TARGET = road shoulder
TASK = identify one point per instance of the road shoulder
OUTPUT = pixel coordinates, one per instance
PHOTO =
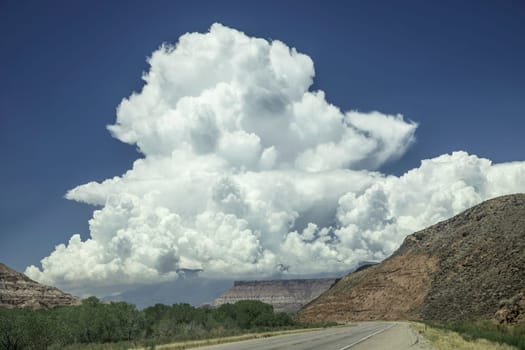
(401, 336)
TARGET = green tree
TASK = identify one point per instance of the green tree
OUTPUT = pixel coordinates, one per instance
(252, 313)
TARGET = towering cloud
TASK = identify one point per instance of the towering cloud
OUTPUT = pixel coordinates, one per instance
(247, 172)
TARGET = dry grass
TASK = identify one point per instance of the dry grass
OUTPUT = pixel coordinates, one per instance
(196, 343)
(447, 340)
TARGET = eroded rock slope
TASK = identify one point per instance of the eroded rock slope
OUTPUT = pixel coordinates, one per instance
(18, 290)
(460, 268)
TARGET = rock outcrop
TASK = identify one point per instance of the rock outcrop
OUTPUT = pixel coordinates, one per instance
(19, 291)
(511, 310)
(460, 268)
(283, 295)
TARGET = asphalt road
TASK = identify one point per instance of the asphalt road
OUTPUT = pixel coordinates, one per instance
(340, 338)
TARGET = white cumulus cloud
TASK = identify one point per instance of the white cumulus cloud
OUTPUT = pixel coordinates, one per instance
(246, 172)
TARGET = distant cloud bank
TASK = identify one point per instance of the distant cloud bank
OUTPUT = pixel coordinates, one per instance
(248, 173)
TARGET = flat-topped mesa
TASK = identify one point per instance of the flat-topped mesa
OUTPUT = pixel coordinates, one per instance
(283, 295)
(19, 291)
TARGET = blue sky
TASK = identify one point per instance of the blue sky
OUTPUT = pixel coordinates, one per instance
(455, 68)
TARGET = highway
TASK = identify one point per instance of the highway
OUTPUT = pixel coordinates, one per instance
(339, 338)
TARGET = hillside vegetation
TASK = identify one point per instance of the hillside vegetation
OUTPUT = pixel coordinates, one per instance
(471, 332)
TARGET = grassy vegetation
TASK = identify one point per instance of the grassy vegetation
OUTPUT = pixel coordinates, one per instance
(473, 335)
(179, 345)
(215, 341)
(187, 344)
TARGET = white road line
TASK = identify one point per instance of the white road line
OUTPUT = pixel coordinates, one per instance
(367, 337)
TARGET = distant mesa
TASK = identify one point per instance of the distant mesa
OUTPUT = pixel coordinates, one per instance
(19, 291)
(284, 295)
(471, 266)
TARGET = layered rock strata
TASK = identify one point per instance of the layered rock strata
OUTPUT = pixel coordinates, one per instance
(19, 291)
(283, 295)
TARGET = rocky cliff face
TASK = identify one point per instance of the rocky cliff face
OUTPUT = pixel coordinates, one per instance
(283, 295)
(460, 268)
(18, 290)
